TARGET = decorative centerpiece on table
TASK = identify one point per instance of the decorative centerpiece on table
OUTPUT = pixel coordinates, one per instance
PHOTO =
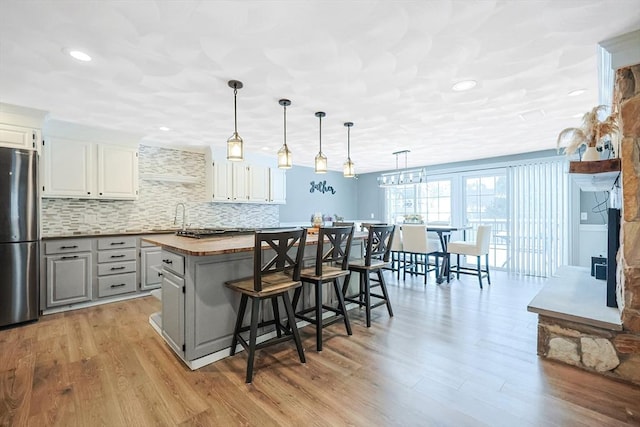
(413, 219)
(594, 134)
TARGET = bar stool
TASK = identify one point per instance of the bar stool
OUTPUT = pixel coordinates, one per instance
(378, 251)
(478, 248)
(419, 247)
(398, 261)
(273, 276)
(334, 245)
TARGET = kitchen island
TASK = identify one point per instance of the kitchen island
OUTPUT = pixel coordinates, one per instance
(198, 311)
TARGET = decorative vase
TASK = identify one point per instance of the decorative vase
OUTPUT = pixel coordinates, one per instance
(590, 154)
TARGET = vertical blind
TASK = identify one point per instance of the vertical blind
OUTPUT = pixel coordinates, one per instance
(538, 195)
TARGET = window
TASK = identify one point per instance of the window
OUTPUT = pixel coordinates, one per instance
(486, 204)
(428, 202)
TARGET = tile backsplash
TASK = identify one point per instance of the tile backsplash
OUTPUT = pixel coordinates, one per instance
(156, 204)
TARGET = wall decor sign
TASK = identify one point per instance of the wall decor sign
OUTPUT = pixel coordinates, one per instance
(321, 187)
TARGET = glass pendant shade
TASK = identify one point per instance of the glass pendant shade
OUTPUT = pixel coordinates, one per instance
(321, 163)
(321, 159)
(284, 154)
(235, 150)
(349, 170)
(284, 157)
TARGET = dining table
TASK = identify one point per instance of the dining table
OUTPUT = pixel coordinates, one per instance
(444, 234)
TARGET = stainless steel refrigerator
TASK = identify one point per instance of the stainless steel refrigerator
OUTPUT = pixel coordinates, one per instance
(19, 239)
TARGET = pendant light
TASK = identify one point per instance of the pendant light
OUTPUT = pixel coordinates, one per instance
(321, 159)
(349, 168)
(234, 143)
(284, 154)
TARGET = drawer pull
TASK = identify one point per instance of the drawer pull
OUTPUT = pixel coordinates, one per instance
(167, 261)
(117, 268)
(116, 243)
(160, 274)
(70, 257)
(117, 256)
(119, 286)
(69, 247)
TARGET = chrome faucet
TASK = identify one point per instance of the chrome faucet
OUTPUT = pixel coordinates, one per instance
(184, 215)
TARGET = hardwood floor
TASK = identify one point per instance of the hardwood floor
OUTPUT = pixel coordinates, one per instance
(453, 355)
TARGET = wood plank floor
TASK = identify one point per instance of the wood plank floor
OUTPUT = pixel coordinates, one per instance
(453, 355)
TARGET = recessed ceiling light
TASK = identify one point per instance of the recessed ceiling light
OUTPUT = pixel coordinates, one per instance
(576, 92)
(265, 148)
(79, 55)
(578, 116)
(464, 85)
(164, 128)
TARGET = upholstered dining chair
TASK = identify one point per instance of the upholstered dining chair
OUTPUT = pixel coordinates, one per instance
(418, 247)
(277, 261)
(479, 248)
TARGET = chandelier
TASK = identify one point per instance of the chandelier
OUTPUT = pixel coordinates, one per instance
(402, 176)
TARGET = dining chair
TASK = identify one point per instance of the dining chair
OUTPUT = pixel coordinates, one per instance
(419, 247)
(277, 261)
(398, 262)
(376, 258)
(331, 264)
(479, 248)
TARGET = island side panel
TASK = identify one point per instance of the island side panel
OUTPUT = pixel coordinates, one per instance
(211, 307)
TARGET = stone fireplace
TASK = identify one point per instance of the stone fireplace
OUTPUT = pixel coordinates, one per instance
(611, 351)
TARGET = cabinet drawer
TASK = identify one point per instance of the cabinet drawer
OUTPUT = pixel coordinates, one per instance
(145, 244)
(117, 255)
(173, 262)
(66, 246)
(116, 268)
(117, 242)
(117, 284)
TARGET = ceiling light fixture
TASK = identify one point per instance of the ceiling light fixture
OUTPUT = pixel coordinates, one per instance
(79, 55)
(321, 159)
(164, 128)
(576, 92)
(349, 168)
(234, 143)
(402, 176)
(284, 154)
(464, 85)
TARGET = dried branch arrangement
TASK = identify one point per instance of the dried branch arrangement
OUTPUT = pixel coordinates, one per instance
(592, 133)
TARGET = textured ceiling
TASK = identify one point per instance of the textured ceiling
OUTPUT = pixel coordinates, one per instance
(387, 66)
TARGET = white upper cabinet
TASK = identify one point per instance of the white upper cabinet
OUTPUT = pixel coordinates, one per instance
(82, 162)
(221, 189)
(84, 170)
(20, 127)
(258, 180)
(19, 137)
(250, 181)
(239, 184)
(68, 169)
(117, 172)
(278, 186)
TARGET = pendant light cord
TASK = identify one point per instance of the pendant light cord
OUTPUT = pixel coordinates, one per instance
(349, 142)
(235, 108)
(320, 133)
(285, 125)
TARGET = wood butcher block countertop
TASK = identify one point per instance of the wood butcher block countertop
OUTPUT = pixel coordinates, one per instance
(217, 245)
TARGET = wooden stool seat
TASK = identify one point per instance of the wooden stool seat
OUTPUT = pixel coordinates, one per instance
(272, 284)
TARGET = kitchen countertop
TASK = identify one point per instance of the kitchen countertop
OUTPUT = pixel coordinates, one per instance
(217, 245)
(79, 234)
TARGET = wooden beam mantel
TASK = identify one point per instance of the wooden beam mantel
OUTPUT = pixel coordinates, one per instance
(597, 166)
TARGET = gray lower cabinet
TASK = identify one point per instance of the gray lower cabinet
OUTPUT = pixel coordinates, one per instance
(116, 265)
(96, 269)
(68, 278)
(68, 271)
(150, 267)
(173, 311)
